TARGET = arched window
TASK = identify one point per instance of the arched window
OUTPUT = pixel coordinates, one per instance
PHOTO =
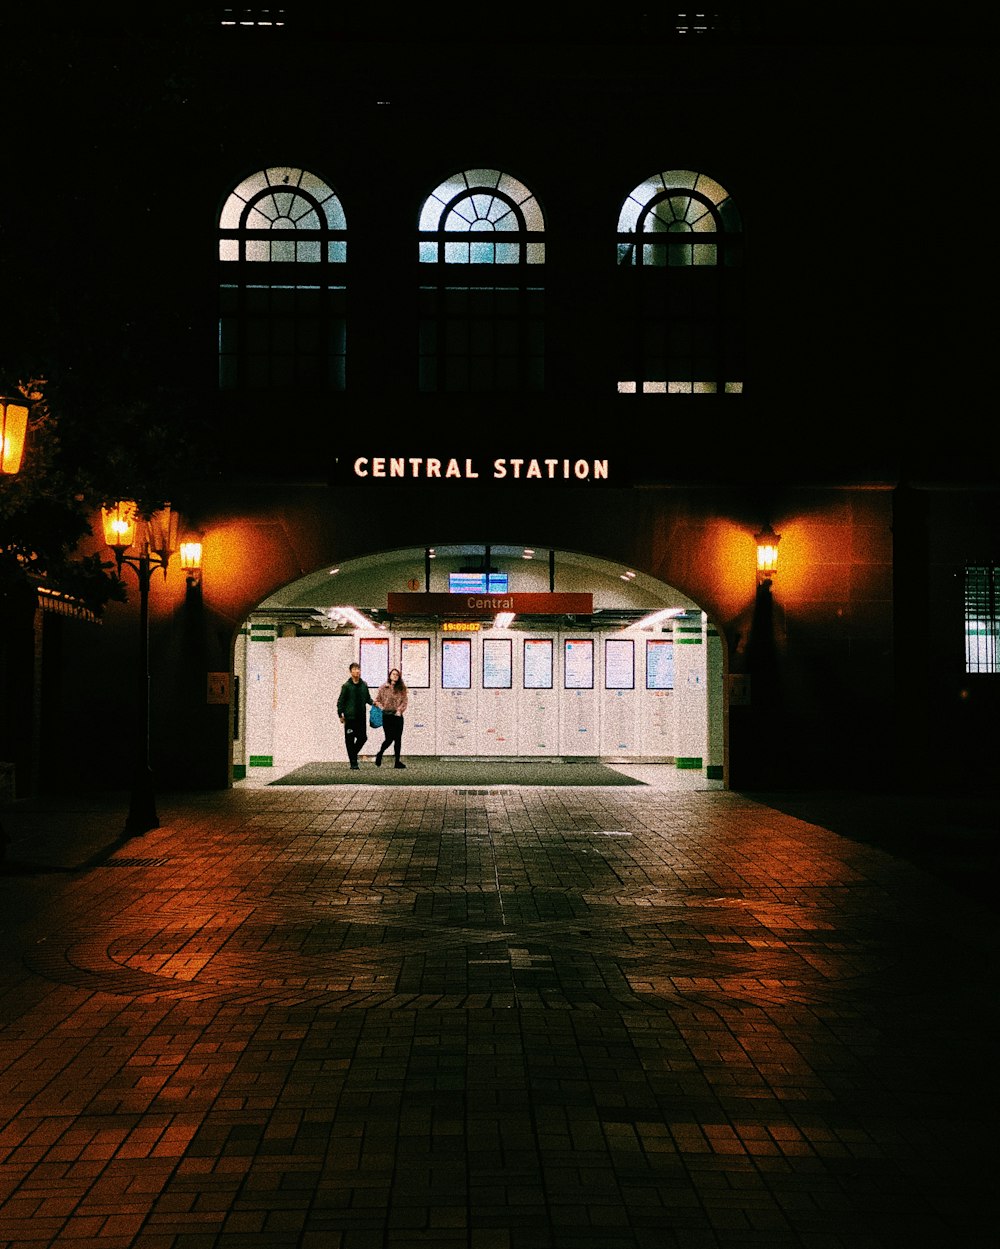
(282, 248)
(481, 327)
(682, 330)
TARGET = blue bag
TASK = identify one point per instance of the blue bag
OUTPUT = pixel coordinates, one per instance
(375, 717)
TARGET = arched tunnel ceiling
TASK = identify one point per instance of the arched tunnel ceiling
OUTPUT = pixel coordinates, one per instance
(621, 595)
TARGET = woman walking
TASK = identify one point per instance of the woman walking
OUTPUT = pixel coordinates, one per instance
(392, 697)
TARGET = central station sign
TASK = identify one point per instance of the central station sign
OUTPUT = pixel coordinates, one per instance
(475, 605)
(537, 469)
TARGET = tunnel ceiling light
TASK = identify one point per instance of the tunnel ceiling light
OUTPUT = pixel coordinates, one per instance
(657, 617)
(351, 615)
(503, 620)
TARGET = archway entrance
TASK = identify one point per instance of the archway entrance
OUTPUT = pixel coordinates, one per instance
(606, 664)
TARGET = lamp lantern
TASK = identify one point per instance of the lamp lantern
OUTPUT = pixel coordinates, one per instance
(190, 553)
(162, 535)
(767, 554)
(119, 524)
(13, 428)
(154, 537)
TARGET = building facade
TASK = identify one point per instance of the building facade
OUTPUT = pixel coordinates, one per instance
(623, 299)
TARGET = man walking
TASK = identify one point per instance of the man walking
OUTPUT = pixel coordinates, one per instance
(352, 707)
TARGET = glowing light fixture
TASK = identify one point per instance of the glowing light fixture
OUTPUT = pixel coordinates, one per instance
(503, 620)
(13, 427)
(190, 553)
(154, 537)
(351, 615)
(657, 618)
(119, 522)
(767, 555)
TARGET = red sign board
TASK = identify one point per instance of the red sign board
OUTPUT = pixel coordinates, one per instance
(476, 605)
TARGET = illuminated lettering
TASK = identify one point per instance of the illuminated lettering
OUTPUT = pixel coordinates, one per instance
(518, 468)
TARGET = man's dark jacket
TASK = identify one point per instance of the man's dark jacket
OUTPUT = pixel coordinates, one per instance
(354, 697)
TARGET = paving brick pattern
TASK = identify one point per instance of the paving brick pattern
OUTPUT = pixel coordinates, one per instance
(362, 1018)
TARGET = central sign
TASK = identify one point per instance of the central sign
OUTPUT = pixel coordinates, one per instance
(489, 604)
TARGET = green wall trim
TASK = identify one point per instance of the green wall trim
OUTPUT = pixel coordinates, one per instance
(714, 772)
(262, 761)
(239, 772)
(688, 641)
(689, 761)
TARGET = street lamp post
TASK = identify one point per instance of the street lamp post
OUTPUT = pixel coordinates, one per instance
(143, 543)
(13, 428)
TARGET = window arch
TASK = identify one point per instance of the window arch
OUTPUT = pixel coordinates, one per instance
(679, 315)
(481, 328)
(498, 210)
(678, 218)
(282, 245)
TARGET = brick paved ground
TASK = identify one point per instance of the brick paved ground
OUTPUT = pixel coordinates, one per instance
(364, 1018)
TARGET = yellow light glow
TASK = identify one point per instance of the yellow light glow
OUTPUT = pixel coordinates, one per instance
(119, 523)
(190, 553)
(767, 552)
(13, 427)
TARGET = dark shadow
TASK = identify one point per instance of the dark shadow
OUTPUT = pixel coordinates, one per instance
(954, 837)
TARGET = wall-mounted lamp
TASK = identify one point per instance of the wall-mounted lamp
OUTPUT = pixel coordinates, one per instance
(190, 553)
(13, 427)
(767, 555)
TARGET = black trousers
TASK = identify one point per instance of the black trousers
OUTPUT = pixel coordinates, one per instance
(355, 736)
(392, 727)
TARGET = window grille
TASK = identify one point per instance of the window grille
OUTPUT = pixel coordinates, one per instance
(282, 314)
(482, 245)
(678, 324)
(982, 626)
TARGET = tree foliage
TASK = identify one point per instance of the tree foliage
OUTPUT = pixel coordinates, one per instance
(82, 451)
